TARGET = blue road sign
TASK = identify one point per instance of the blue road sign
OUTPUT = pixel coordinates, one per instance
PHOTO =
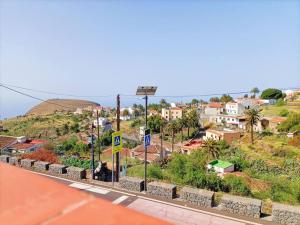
(147, 140)
(117, 140)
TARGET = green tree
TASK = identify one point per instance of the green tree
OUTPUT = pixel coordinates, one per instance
(182, 123)
(252, 117)
(226, 98)
(192, 120)
(125, 112)
(173, 129)
(211, 147)
(214, 99)
(255, 91)
(271, 93)
(155, 122)
(164, 104)
(195, 101)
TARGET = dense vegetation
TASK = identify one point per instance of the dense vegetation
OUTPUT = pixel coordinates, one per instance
(271, 93)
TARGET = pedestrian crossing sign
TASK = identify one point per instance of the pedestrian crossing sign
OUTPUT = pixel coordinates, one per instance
(117, 143)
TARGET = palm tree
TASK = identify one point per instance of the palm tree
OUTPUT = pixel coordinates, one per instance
(255, 91)
(173, 128)
(162, 127)
(252, 117)
(182, 124)
(211, 147)
(192, 120)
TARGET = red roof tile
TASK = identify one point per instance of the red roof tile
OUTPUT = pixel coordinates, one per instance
(215, 105)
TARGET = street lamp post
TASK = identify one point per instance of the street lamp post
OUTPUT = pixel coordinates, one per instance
(146, 91)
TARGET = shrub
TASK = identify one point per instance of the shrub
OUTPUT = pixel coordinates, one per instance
(266, 133)
(213, 182)
(271, 93)
(291, 124)
(41, 155)
(85, 164)
(284, 113)
(295, 141)
(280, 102)
(236, 185)
(154, 171)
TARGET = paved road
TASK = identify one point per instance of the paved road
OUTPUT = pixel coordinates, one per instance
(172, 213)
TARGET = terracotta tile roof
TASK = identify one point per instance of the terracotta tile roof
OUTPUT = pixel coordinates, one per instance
(150, 157)
(215, 105)
(107, 152)
(38, 141)
(193, 144)
(278, 119)
(6, 141)
(150, 149)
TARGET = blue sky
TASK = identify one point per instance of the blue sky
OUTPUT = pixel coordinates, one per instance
(109, 47)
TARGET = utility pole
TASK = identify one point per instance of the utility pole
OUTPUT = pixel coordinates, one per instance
(118, 129)
(92, 153)
(146, 123)
(146, 91)
(99, 144)
(161, 143)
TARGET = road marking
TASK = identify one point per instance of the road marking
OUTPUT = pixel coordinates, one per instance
(80, 186)
(97, 190)
(119, 200)
(89, 188)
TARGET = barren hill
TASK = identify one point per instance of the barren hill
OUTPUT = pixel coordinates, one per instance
(58, 105)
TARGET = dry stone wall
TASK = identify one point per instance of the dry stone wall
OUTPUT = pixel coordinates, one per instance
(241, 205)
(162, 190)
(27, 163)
(286, 214)
(4, 158)
(41, 165)
(76, 173)
(132, 184)
(57, 169)
(198, 197)
(14, 160)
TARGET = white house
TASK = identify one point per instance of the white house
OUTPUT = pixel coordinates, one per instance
(220, 166)
(103, 123)
(234, 108)
(233, 120)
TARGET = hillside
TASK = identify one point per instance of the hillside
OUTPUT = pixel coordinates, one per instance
(57, 105)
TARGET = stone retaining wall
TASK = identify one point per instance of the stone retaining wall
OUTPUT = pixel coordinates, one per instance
(286, 214)
(132, 184)
(241, 205)
(14, 160)
(41, 165)
(27, 163)
(4, 158)
(57, 169)
(162, 190)
(76, 173)
(197, 196)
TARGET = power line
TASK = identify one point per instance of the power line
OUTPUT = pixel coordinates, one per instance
(136, 97)
(25, 94)
(55, 93)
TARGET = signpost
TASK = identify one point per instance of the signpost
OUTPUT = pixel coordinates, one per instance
(117, 145)
(147, 138)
